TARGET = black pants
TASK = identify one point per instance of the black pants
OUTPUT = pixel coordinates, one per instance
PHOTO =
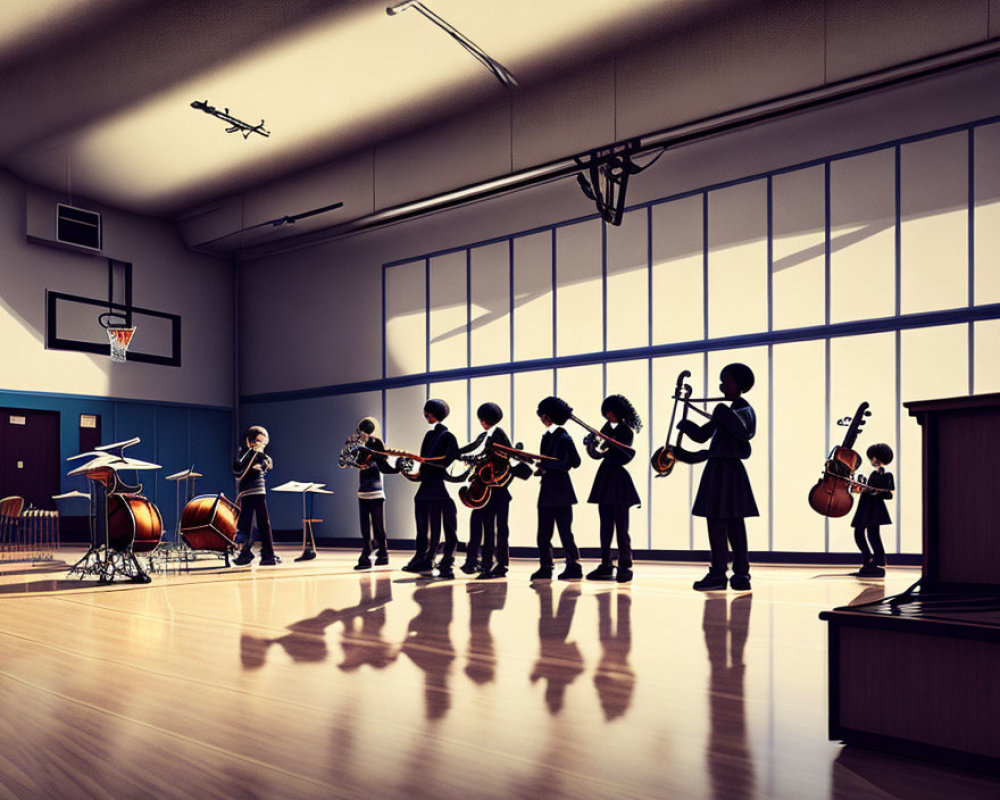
(489, 524)
(430, 514)
(875, 538)
(255, 505)
(723, 534)
(372, 517)
(615, 518)
(560, 517)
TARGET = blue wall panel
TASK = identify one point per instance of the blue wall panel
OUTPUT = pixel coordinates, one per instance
(174, 436)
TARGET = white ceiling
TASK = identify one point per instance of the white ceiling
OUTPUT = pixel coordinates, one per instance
(96, 94)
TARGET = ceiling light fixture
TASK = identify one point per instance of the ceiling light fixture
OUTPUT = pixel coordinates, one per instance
(236, 125)
(499, 70)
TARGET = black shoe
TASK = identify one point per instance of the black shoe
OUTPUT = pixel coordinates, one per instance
(485, 575)
(244, 558)
(498, 572)
(573, 572)
(364, 563)
(741, 583)
(269, 561)
(446, 573)
(542, 574)
(419, 565)
(624, 575)
(605, 572)
(307, 555)
(470, 567)
(381, 561)
(711, 583)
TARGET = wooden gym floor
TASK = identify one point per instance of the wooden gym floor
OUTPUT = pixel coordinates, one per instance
(312, 680)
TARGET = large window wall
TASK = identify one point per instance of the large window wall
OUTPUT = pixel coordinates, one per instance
(868, 276)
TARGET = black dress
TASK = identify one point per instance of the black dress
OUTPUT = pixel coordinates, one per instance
(871, 508)
(724, 491)
(613, 485)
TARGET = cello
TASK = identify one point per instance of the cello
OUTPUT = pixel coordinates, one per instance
(831, 496)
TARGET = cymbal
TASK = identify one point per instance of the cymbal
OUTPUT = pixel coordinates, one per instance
(117, 463)
(183, 474)
(115, 448)
(67, 495)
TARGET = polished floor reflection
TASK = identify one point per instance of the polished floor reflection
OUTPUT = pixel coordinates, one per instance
(312, 680)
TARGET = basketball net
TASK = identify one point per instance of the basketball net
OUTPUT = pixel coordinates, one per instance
(120, 339)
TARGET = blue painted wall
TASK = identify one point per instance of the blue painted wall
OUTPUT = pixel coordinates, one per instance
(173, 435)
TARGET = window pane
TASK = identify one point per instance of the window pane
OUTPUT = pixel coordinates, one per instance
(935, 224)
(678, 271)
(987, 232)
(933, 363)
(737, 260)
(863, 237)
(405, 319)
(490, 311)
(449, 312)
(798, 274)
(799, 443)
(986, 377)
(579, 295)
(533, 297)
(628, 283)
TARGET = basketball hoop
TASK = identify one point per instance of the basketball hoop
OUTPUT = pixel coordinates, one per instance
(119, 337)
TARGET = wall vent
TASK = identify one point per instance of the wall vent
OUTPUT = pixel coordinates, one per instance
(78, 226)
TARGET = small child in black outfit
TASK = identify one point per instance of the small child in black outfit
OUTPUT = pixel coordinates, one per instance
(871, 512)
(250, 467)
(371, 496)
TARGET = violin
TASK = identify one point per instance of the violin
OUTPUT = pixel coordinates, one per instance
(831, 496)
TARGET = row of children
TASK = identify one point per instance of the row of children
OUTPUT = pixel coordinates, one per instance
(725, 497)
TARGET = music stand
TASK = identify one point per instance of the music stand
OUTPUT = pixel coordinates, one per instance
(306, 490)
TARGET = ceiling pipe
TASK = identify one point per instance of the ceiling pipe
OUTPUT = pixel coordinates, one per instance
(658, 140)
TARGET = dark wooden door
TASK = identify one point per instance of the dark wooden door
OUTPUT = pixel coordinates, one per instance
(29, 455)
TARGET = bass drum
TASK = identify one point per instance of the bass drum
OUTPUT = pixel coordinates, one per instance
(208, 522)
(133, 523)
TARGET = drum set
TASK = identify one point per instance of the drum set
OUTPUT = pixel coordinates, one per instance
(125, 525)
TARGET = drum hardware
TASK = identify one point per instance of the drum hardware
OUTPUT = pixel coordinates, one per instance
(122, 521)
